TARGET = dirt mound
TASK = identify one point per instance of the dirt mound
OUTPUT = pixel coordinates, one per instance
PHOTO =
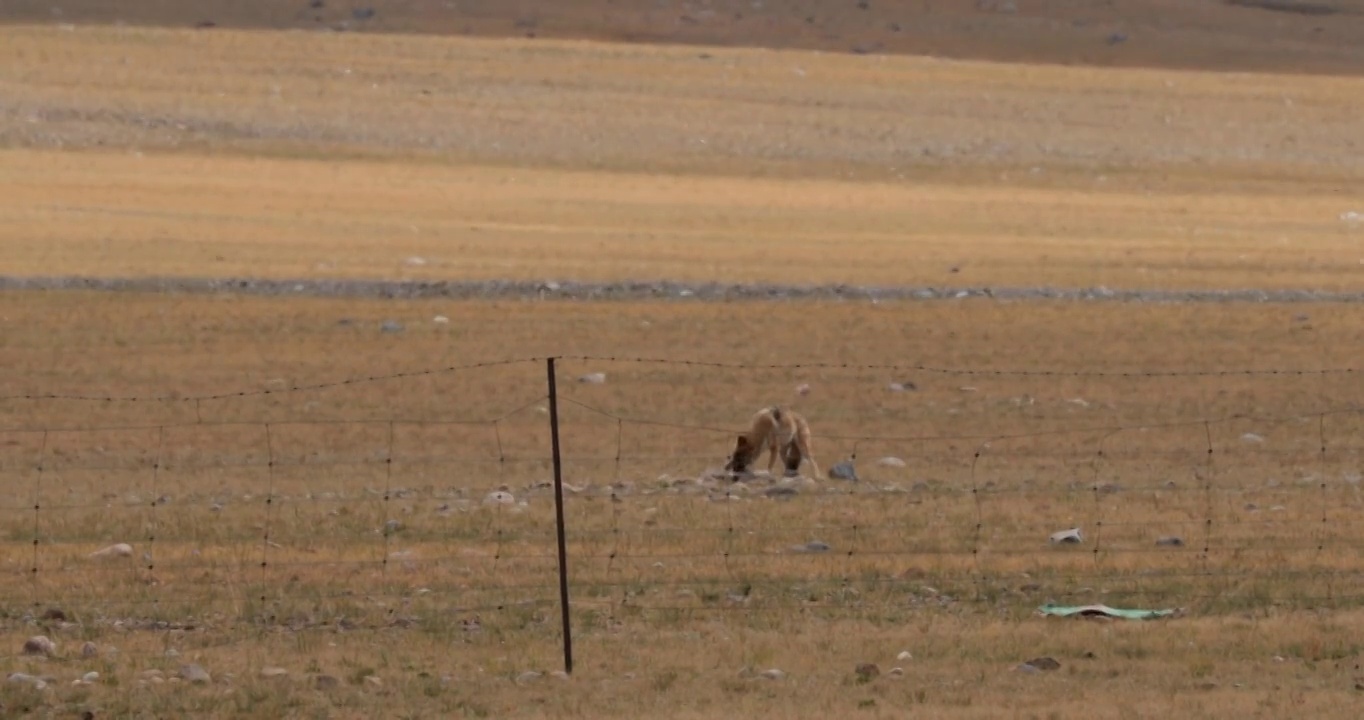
(1244, 35)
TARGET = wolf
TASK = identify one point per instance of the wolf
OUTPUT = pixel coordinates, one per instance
(779, 432)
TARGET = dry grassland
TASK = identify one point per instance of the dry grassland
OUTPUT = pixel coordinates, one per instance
(304, 155)
(261, 523)
(677, 589)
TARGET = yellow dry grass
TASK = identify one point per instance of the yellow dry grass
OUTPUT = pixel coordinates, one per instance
(314, 156)
(140, 152)
(677, 591)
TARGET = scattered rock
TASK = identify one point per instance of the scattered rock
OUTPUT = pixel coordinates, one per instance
(772, 674)
(90, 678)
(866, 672)
(89, 650)
(559, 675)
(902, 386)
(896, 672)
(415, 261)
(326, 682)
(54, 614)
(1044, 663)
(1251, 438)
(803, 389)
(390, 326)
(814, 546)
(113, 551)
(40, 645)
(194, 673)
(26, 679)
(363, 13)
(593, 378)
(273, 672)
(1116, 38)
(904, 655)
(527, 677)
(374, 681)
(890, 461)
(1170, 541)
(499, 497)
(843, 471)
(1068, 537)
(781, 491)
(392, 526)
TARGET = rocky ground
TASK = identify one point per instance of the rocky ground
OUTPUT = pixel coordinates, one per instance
(633, 291)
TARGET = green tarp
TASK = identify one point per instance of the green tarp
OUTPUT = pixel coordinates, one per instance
(1102, 611)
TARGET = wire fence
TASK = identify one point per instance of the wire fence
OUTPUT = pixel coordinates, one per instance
(428, 498)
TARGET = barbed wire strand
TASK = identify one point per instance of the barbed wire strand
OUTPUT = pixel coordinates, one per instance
(923, 367)
(273, 391)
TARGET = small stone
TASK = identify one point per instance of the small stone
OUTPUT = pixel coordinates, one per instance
(814, 546)
(326, 682)
(19, 677)
(803, 389)
(89, 650)
(390, 326)
(866, 672)
(374, 681)
(1044, 663)
(904, 655)
(559, 675)
(392, 526)
(1069, 537)
(593, 378)
(1170, 541)
(273, 672)
(895, 672)
(194, 673)
(90, 677)
(889, 461)
(526, 677)
(39, 645)
(440, 320)
(772, 674)
(843, 471)
(113, 551)
(499, 497)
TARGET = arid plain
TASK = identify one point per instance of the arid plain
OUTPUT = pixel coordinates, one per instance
(305, 481)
